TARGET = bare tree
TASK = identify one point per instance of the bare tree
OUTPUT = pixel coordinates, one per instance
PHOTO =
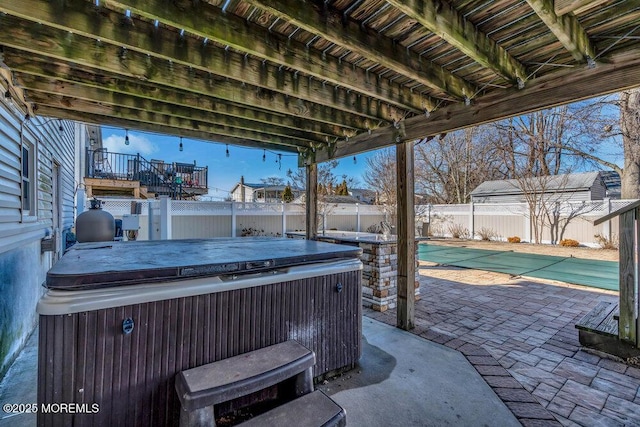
(272, 181)
(326, 177)
(449, 168)
(380, 176)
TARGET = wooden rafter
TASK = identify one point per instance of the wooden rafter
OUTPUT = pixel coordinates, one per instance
(205, 95)
(620, 72)
(148, 121)
(305, 15)
(207, 21)
(188, 107)
(567, 30)
(186, 61)
(102, 102)
(440, 18)
(562, 7)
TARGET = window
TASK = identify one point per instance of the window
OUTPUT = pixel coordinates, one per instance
(28, 181)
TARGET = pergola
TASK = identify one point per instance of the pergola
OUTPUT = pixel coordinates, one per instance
(324, 79)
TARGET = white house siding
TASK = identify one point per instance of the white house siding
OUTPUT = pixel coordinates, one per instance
(22, 265)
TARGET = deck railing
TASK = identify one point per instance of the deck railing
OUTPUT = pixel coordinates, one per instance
(171, 179)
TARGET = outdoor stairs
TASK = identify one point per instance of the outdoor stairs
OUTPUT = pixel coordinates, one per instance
(287, 365)
(598, 330)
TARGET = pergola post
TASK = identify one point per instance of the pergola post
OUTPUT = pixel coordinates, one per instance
(628, 280)
(406, 236)
(312, 202)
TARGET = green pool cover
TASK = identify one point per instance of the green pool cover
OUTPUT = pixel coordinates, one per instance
(598, 274)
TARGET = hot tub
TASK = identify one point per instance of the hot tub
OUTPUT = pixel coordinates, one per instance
(120, 319)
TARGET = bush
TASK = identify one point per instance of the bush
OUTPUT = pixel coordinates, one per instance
(570, 243)
(607, 242)
(459, 231)
(514, 239)
(486, 233)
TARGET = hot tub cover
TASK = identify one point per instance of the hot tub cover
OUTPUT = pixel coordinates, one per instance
(107, 264)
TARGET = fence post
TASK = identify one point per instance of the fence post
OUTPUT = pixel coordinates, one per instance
(233, 219)
(80, 201)
(471, 220)
(606, 227)
(527, 223)
(284, 220)
(165, 218)
(357, 217)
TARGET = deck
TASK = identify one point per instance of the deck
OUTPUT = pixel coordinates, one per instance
(598, 330)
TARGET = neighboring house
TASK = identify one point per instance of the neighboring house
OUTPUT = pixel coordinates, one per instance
(261, 193)
(567, 187)
(363, 195)
(37, 208)
(612, 182)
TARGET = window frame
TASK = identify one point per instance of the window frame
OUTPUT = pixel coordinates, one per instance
(28, 182)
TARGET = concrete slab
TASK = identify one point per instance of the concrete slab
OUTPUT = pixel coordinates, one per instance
(401, 379)
(405, 380)
(19, 386)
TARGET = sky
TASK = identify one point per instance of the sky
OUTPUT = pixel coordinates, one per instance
(224, 172)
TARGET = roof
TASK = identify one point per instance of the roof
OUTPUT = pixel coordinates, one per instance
(262, 186)
(563, 183)
(324, 79)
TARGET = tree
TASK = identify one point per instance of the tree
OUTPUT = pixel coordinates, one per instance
(327, 179)
(342, 189)
(380, 176)
(448, 168)
(272, 181)
(287, 194)
(630, 129)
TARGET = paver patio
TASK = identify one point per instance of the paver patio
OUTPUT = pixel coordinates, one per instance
(527, 326)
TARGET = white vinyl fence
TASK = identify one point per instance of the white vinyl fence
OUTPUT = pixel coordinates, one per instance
(179, 219)
(194, 219)
(503, 220)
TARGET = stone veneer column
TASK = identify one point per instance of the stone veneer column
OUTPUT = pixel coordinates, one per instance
(379, 275)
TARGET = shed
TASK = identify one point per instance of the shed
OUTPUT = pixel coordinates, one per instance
(579, 187)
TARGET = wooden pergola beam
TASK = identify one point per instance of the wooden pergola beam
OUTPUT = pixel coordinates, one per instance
(108, 58)
(567, 30)
(131, 118)
(562, 7)
(221, 95)
(382, 50)
(216, 112)
(210, 22)
(101, 103)
(444, 21)
(160, 129)
(618, 73)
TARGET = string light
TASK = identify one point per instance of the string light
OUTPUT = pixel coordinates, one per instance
(355, 161)
(180, 146)
(264, 155)
(126, 137)
(227, 150)
(60, 127)
(279, 162)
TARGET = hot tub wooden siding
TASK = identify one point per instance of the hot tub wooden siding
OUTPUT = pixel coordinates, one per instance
(86, 358)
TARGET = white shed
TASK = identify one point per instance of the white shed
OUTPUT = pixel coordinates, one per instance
(583, 186)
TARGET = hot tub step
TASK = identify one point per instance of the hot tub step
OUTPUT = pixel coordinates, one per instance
(204, 386)
(311, 410)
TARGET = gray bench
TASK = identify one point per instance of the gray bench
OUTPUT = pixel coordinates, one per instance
(200, 388)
